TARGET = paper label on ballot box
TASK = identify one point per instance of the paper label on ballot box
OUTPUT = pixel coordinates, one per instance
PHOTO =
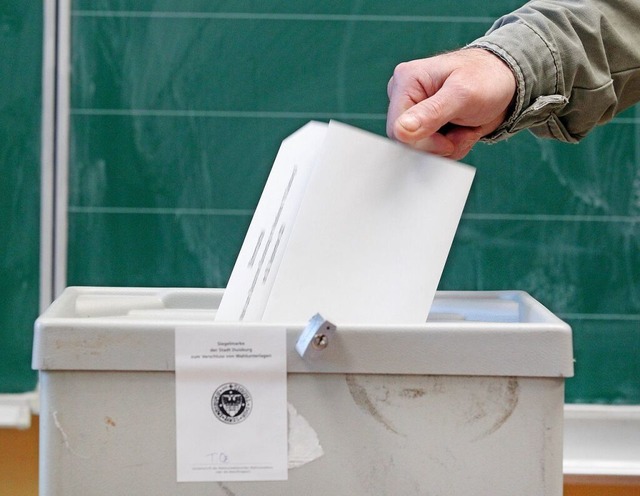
(231, 403)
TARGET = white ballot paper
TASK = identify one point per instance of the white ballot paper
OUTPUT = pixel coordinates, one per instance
(264, 244)
(231, 403)
(350, 225)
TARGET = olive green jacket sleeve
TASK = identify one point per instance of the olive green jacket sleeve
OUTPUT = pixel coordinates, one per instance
(577, 64)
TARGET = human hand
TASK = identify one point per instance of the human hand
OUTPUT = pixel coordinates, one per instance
(445, 104)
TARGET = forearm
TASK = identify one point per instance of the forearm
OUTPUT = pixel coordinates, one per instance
(577, 64)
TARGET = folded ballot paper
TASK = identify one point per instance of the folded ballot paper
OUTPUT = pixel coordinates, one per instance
(350, 225)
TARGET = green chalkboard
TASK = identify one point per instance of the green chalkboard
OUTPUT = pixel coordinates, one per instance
(178, 109)
(20, 90)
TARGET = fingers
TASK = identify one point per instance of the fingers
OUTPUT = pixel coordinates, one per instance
(463, 140)
(437, 143)
(417, 100)
(402, 96)
(455, 143)
(408, 86)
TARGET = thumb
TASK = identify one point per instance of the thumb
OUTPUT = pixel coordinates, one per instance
(426, 117)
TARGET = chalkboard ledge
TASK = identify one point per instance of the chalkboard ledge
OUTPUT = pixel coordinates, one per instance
(16, 409)
(602, 444)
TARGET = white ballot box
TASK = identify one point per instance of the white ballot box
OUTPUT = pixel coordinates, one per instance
(468, 403)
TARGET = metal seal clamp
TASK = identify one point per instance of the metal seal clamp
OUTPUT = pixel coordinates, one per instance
(315, 337)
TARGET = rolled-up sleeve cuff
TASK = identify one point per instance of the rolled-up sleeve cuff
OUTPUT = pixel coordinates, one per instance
(536, 67)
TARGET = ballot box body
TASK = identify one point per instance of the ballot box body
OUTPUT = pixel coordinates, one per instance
(470, 402)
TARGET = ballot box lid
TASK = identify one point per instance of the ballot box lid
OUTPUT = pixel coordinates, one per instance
(487, 333)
